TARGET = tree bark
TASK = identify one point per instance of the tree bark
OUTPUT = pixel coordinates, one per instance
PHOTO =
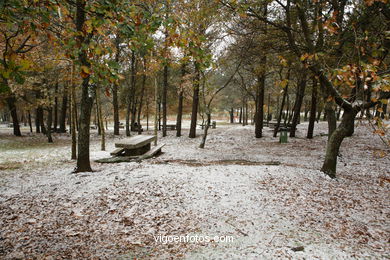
(83, 162)
(49, 123)
(231, 112)
(285, 95)
(115, 91)
(64, 108)
(29, 121)
(179, 114)
(195, 102)
(298, 103)
(313, 108)
(56, 108)
(14, 114)
(164, 100)
(260, 104)
(334, 143)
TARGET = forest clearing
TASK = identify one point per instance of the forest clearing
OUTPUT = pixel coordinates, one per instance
(223, 190)
(194, 129)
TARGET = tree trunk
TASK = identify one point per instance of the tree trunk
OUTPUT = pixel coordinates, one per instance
(331, 117)
(298, 103)
(260, 106)
(195, 102)
(206, 128)
(37, 123)
(29, 121)
(116, 108)
(285, 96)
(49, 123)
(56, 108)
(334, 143)
(141, 103)
(64, 107)
(14, 114)
(41, 121)
(313, 108)
(164, 100)
(179, 114)
(231, 115)
(128, 109)
(83, 162)
(115, 90)
(100, 120)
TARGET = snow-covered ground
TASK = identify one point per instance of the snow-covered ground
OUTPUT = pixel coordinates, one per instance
(230, 188)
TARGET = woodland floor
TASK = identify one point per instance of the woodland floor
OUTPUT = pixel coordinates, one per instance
(46, 212)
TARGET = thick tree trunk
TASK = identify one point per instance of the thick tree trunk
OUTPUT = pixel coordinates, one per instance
(64, 108)
(231, 113)
(313, 108)
(260, 106)
(195, 102)
(41, 120)
(298, 103)
(331, 117)
(83, 162)
(14, 114)
(334, 143)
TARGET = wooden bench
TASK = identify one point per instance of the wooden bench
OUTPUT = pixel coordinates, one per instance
(136, 145)
(171, 127)
(213, 125)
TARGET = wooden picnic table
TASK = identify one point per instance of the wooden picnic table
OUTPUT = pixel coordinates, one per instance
(136, 145)
(171, 126)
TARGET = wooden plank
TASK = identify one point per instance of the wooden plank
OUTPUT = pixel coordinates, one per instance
(136, 142)
(155, 150)
(118, 151)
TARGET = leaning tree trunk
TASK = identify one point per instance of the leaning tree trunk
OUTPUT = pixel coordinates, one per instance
(298, 104)
(206, 128)
(313, 108)
(14, 114)
(330, 117)
(334, 143)
(195, 102)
